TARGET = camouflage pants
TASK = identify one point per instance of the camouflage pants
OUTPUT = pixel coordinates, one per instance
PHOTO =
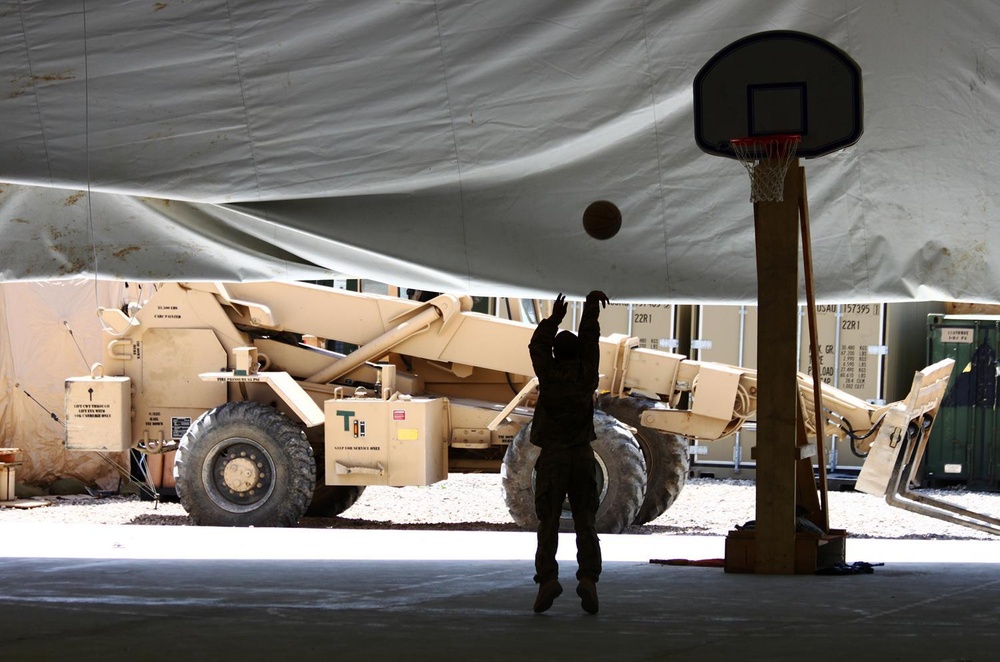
(561, 472)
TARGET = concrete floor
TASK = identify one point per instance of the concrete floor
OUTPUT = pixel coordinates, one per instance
(188, 593)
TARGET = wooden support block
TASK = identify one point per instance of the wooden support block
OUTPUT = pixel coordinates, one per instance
(7, 482)
(812, 551)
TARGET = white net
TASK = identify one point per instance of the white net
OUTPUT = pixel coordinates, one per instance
(767, 160)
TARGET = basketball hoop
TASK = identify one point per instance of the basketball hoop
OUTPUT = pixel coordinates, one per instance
(766, 158)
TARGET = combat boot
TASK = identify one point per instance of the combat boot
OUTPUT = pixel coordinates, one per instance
(547, 594)
(587, 590)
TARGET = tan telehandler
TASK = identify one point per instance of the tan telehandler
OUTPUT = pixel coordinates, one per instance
(270, 425)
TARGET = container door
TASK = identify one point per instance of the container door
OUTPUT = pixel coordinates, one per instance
(963, 443)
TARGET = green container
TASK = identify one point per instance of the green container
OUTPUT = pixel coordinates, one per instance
(963, 446)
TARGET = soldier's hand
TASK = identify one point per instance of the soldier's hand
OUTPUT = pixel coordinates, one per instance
(559, 308)
(601, 297)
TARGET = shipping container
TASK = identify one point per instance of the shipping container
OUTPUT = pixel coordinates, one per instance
(725, 334)
(870, 351)
(653, 324)
(963, 443)
(851, 349)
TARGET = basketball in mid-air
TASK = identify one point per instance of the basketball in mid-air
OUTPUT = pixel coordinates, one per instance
(602, 219)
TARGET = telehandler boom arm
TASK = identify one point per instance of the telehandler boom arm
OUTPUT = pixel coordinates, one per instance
(445, 331)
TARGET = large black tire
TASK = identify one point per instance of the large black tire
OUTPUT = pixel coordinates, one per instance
(621, 481)
(245, 464)
(666, 455)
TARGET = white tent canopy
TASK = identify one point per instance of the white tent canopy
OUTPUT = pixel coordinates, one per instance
(454, 145)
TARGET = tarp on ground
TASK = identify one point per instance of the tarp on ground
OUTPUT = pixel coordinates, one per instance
(452, 145)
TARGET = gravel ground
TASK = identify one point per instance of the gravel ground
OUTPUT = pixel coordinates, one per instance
(475, 502)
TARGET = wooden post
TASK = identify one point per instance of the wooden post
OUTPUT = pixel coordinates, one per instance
(821, 516)
(776, 227)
